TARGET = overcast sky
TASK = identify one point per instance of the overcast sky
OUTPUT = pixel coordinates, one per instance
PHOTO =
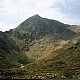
(13, 12)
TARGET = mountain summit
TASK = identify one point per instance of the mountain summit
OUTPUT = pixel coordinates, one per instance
(36, 27)
(36, 16)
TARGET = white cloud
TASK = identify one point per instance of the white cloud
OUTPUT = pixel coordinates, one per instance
(6, 27)
(25, 7)
(63, 3)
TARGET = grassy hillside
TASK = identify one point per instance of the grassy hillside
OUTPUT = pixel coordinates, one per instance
(60, 64)
(44, 46)
(10, 53)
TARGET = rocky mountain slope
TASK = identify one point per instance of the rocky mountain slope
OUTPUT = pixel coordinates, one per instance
(37, 27)
(63, 63)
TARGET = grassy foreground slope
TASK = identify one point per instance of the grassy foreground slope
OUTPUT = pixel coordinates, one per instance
(60, 64)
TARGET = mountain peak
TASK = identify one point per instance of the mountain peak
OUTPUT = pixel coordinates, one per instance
(43, 27)
(36, 16)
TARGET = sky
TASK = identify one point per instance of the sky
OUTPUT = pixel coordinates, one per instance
(13, 12)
